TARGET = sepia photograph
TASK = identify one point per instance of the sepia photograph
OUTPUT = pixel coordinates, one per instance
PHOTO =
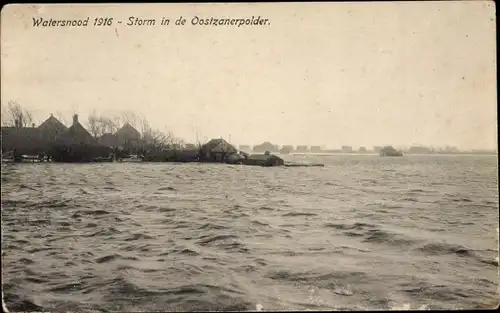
(264, 156)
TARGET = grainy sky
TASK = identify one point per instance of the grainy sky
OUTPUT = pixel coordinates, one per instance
(359, 74)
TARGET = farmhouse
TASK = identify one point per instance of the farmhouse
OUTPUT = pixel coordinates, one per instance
(31, 140)
(217, 150)
(127, 136)
(76, 135)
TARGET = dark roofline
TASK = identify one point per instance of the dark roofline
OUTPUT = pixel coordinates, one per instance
(128, 125)
(54, 118)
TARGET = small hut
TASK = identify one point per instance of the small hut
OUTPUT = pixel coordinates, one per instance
(266, 159)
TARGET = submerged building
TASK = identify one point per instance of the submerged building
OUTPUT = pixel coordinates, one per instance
(266, 159)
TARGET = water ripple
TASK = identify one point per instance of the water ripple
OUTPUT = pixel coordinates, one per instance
(361, 233)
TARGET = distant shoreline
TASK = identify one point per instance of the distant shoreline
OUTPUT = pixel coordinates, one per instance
(404, 154)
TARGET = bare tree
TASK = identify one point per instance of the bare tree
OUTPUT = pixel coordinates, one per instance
(60, 116)
(174, 141)
(94, 125)
(131, 117)
(16, 115)
(158, 139)
(99, 125)
(108, 124)
(5, 116)
(153, 137)
(198, 140)
(117, 121)
(144, 129)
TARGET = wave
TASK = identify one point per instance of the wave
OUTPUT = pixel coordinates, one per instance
(215, 238)
(187, 251)
(81, 247)
(107, 232)
(38, 222)
(314, 278)
(8, 203)
(416, 190)
(15, 303)
(299, 214)
(445, 248)
(256, 222)
(138, 236)
(23, 186)
(67, 288)
(166, 188)
(36, 280)
(52, 204)
(212, 226)
(461, 200)
(26, 261)
(355, 226)
(266, 208)
(96, 212)
(388, 238)
(183, 297)
(107, 258)
(410, 199)
(38, 249)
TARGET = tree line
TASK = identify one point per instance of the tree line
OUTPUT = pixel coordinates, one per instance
(14, 114)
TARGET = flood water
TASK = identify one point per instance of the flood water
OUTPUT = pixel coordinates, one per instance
(363, 232)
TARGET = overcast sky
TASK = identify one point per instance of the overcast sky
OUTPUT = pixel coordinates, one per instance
(359, 74)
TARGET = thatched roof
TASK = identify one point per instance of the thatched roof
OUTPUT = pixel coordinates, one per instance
(219, 146)
(77, 134)
(52, 124)
(129, 132)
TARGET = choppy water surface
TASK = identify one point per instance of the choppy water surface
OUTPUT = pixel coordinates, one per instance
(363, 232)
